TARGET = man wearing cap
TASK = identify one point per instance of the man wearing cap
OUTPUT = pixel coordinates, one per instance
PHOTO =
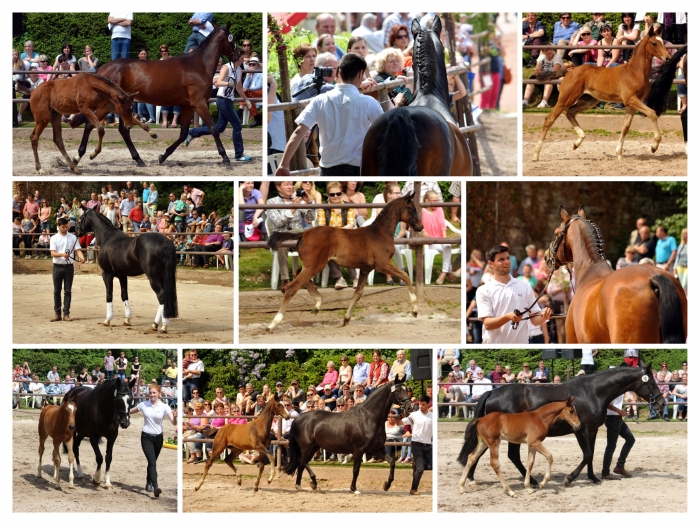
(296, 394)
(279, 389)
(457, 371)
(65, 248)
(421, 422)
(252, 87)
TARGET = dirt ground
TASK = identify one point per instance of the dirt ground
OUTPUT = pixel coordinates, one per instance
(200, 158)
(281, 496)
(659, 459)
(382, 315)
(205, 301)
(596, 155)
(498, 144)
(127, 473)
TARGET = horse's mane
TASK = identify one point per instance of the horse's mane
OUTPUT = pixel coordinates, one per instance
(111, 83)
(102, 387)
(373, 397)
(593, 235)
(429, 61)
(383, 215)
(102, 218)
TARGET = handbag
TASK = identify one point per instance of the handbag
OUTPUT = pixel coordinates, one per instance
(507, 75)
(252, 233)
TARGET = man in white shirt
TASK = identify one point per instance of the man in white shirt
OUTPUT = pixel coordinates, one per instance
(481, 386)
(421, 422)
(343, 116)
(498, 299)
(65, 248)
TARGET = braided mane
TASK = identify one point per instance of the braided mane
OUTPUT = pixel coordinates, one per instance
(595, 240)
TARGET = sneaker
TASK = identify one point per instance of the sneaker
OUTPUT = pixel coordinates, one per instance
(355, 282)
(340, 284)
(151, 121)
(36, 256)
(619, 106)
(401, 283)
(371, 460)
(243, 158)
(543, 104)
(525, 103)
(19, 118)
(345, 461)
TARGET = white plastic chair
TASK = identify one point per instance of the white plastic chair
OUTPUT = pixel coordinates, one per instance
(275, 272)
(429, 253)
(273, 161)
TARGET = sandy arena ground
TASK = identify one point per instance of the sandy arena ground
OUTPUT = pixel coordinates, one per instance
(200, 158)
(205, 301)
(498, 143)
(281, 496)
(596, 155)
(127, 472)
(658, 459)
(382, 315)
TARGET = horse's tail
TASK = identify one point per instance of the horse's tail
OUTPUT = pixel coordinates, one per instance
(279, 237)
(670, 309)
(657, 99)
(471, 440)
(78, 120)
(551, 75)
(291, 466)
(398, 151)
(169, 283)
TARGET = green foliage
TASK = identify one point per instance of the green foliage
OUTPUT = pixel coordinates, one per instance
(549, 19)
(219, 195)
(676, 221)
(41, 361)
(221, 376)
(149, 30)
(487, 359)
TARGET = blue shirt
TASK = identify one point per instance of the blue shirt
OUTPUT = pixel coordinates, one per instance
(664, 248)
(202, 17)
(253, 81)
(562, 33)
(360, 372)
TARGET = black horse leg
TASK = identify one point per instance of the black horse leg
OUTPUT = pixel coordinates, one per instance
(392, 462)
(77, 439)
(356, 462)
(108, 279)
(108, 459)
(126, 135)
(156, 281)
(584, 441)
(185, 117)
(84, 142)
(94, 441)
(306, 455)
(125, 299)
(514, 456)
(591, 473)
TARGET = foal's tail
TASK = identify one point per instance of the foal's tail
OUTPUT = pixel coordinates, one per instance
(291, 466)
(657, 99)
(169, 283)
(398, 151)
(471, 440)
(279, 237)
(670, 309)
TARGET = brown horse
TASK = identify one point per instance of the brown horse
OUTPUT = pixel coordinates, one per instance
(583, 87)
(183, 81)
(369, 248)
(59, 423)
(526, 427)
(254, 435)
(634, 305)
(79, 94)
(422, 138)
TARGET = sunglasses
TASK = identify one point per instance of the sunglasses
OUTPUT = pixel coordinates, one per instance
(287, 405)
(585, 34)
(245, 45)
(310, 406)
(334, 194)
(401, 36)
(566, 18)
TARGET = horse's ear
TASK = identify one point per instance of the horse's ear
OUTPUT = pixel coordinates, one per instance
(409, 196)
(276, 397)
(437, 25)
(570, 401)
(581, 212)
(83, 207)
(563, 214)
(132, 383)
(415, 27)
(133, 95)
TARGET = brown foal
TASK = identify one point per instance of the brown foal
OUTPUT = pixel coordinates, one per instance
(58, 422)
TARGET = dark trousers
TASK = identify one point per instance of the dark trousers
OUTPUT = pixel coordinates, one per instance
(422, 459)
(199, 260)
(589, 369)
(62, 278)
(537, 339)
(16, 240)
(151, 446)
(109, 374)
(341, 170)
(616, 428)
(187, 386)
(226, 115)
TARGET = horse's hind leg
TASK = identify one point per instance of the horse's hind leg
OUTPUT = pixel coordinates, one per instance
(306, 274)
(528, 472)
(216, 450)
(157, 287)
(76, 453)
(495, 465)
(472, 460)
(313, 291)
(392, 270)
(548, 122)
(39, 127)
(109, 288)
(356, 296)
(58, 140)
(125, 297)
(582, 104)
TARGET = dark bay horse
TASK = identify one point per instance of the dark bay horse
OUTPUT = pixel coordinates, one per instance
(101, 411)
(368, 248)
(79, 94)
(58, 422)
(593, 394)
(422, 138)
(628, 83)
(254, 435)
(183, 81)
(358, 431)
(122, 256)
(525, 428)
(633, 305)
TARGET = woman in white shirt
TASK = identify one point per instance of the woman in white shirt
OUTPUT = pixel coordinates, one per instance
(152, 434)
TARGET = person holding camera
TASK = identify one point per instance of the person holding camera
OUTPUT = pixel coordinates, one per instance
(343, 116)
(65, 248)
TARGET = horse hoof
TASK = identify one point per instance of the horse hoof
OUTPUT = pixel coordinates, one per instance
(92, 157)
(654, 148)
(154, 135)
(240, 480)
(269, 329)
(415, 314)
(314, 311)
(161, 159)
(530, 491)
(96, 483)
(298, 488)
(154, 327)
(140, 163)
(356, 492)
(567, 482)
(75, 170)
(164, 330)
(106, 322)
(512, 495)
(108, 487)
(226, 161)
(387, 485)
(76, 160)
(346, 321)
(127, 321)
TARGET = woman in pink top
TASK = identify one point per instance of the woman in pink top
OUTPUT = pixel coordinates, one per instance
(45, 215)
(435, 226)
(331, 377)
(236, 418)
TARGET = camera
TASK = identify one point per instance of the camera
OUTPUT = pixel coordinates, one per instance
(320, 72)
(301, 192)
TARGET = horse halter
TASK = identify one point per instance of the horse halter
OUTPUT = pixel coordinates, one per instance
(652, 398)
(399, 401)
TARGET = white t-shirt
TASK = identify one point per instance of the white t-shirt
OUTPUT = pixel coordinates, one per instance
(631, 352)
(421, 426)
(547, 65)
(226, 91)
(153, 416)
(199, 365)
(63, 243)
(617, 403)
(495, 299)
(587, 356)
(121, 31)
(627, 34)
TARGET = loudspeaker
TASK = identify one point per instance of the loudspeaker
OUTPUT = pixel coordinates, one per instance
(551, 354)
(571, 353)
(421, 364)
(17, 24)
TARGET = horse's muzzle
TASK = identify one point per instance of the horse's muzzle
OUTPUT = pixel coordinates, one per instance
(71, 427)
(124, 422)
